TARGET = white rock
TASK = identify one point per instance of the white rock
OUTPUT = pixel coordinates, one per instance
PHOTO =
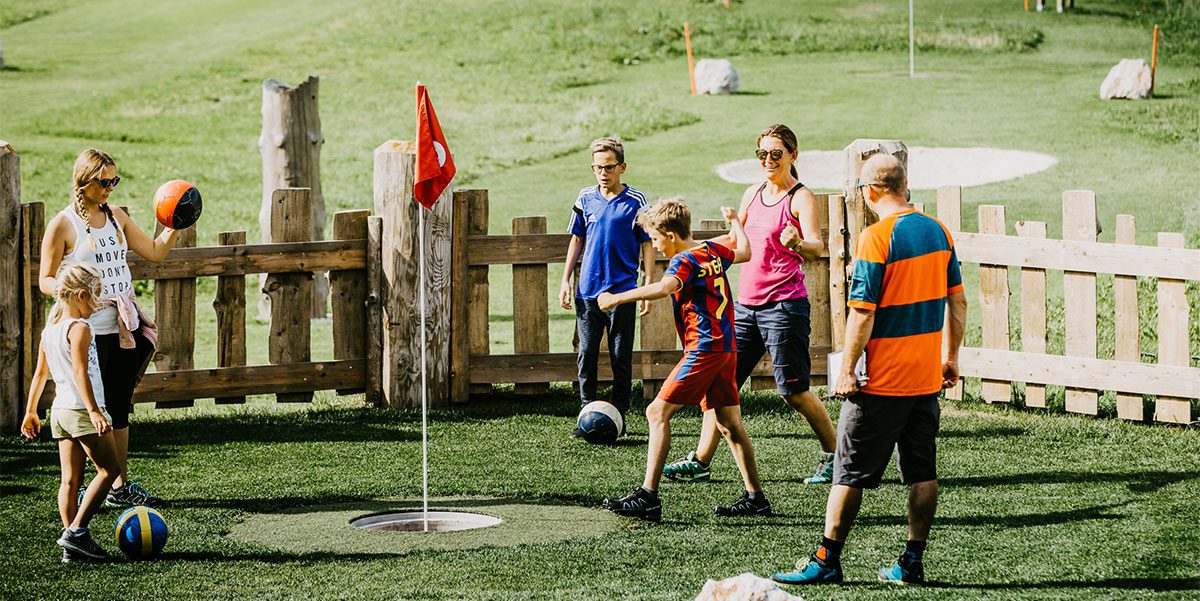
(716, 76)
(744, 587)
(1130, 79)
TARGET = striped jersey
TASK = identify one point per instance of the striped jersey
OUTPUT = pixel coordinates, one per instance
(904, 268)
(612, 240)
(703, 310)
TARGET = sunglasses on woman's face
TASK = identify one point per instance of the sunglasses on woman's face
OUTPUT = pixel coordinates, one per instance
(762, 154)
(108, 183)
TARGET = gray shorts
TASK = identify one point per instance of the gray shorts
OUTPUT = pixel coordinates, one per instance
(870, 426)
(782, 329)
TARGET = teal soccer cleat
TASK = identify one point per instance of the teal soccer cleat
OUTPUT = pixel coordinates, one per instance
(897, 574)
(824, 472)
(687, 470)
(813, 572)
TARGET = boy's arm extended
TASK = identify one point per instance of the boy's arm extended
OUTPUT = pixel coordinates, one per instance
(660, 289)
(574, 249)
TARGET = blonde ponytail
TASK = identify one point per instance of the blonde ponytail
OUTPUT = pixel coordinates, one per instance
(71, 279)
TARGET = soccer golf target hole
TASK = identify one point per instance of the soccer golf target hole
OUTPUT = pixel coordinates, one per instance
(414, 521)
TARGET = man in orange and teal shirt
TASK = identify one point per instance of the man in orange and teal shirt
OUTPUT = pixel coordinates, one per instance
(905, 274)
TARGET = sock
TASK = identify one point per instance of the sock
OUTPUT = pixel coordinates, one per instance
(914, 551)
(830, 552)
(756, 496)
(653, 494)
(77, 531)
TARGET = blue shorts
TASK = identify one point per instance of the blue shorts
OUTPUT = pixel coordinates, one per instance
(782, 329)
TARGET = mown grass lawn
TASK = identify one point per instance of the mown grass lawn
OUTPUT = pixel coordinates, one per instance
(1033, 506)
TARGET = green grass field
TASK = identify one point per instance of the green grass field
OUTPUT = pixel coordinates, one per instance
(1035, 506)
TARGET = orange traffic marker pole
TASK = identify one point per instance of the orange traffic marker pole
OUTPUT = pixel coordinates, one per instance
(1026, 5)
(687, 37)
(726, 3)
(1153, 59)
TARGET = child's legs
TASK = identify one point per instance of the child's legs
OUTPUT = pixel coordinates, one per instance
(103, 453)
(621, 322)
(658, 415)
(590, 323)
(71, 459)
(729, 420)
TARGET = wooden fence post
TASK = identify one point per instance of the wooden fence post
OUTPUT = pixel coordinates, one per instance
(290, 143)
(949, 212)
(395, 172)
(11, 401)
(1079, 294)
(175, 315)
(376, 293)
(1033, 311)
(838, 254)
(230, 306)
(531, 310)
(290, 293)
(461, 295)
(993, 300)
(348, 293)
(33, 302)
(1128, 322)
(658, 334)
(478, 327)
(816, 281)
(1172, 336)
(858, 216)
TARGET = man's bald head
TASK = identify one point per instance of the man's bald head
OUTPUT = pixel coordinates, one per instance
(885, 173)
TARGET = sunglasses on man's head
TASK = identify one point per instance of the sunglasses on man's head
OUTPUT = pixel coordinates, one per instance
(605, 168)
(108, 183)
(762, 154)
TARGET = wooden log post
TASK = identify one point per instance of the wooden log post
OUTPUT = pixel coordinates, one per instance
(816, 281)
(993, 300)
(1079, 295)
(531, 308)
(290, 293)
(376, 293)
(478, 327)
(657, 332)
(1033, 311)
(11, 400)
(348, 294)
(290, 143)
(949, 212)
(1128, 322)
(461, 292)
(33, 302)
(230, 306)
(838, 257)
(175, 315)
(1172, 336)
(395, 172)
(858, 216)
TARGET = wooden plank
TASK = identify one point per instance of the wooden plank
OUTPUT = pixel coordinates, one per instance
(348, 293)
(1033, 311)
(286, 378)
(1079, 372)
(33, 302)
(1079, 295)
(1080, 256)
(1173, 337)
(993, 302)
(175, 316)
(230, 306)
(837, 270)
(290, 293)
(531, 326)
(561, 367)
(460, 342)
(375, 295)
(12, 401)
(1128, 322)
(478, 328)
(816, 281)
(536, 249)
(949, 212)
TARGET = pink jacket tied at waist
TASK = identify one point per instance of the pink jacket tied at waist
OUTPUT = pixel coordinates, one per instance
(128, 310)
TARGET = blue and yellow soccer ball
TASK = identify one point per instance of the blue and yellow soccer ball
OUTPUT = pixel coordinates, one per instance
(141, 532)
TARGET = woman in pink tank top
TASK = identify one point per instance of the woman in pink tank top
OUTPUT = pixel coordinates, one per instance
(782, 221)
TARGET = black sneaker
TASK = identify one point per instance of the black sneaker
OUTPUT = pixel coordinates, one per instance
(640, 504)
(81, 544)
(745, 507)
(130, 495)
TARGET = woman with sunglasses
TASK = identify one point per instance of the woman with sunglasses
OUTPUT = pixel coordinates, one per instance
(771, 314)
(90, 231)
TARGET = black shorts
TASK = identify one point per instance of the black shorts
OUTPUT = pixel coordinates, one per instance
(119, 368)
(870, 426)
(782, 329)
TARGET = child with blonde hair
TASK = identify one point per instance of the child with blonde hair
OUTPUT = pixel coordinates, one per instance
(78, 419)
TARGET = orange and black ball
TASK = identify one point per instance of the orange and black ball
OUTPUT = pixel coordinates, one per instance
(177, 204)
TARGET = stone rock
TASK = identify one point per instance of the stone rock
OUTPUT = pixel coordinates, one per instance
(744, 587)
(1130, 79)
(716, 76)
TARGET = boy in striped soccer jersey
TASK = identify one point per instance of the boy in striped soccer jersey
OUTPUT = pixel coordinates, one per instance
(905, 275)
(605, 232)
(706, 375)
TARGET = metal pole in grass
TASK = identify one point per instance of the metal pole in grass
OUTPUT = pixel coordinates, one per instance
(424, 393)
(912, 68)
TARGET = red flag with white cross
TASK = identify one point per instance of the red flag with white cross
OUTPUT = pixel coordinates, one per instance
(435, 166)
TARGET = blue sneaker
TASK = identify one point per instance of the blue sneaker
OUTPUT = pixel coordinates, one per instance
(813, 572)
(824, 471)
(898, 574)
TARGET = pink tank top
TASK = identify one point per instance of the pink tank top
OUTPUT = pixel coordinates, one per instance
(773, 272)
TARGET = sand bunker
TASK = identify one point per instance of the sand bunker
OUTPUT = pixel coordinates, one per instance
(928, 168)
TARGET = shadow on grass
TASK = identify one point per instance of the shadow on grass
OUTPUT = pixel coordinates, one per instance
(1154, 584)
(1015, 520)
(1137, 481)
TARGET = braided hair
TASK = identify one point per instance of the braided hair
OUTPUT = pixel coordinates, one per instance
(88, 167)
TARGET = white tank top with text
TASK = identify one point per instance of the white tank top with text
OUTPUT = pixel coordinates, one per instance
(109, 258)
(58, 358)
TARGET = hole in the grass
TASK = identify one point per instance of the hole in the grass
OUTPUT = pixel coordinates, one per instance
(414, 521)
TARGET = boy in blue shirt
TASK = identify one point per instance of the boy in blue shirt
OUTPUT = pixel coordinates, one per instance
(604, 230)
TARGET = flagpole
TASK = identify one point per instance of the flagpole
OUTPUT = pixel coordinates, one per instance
(424, 400)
